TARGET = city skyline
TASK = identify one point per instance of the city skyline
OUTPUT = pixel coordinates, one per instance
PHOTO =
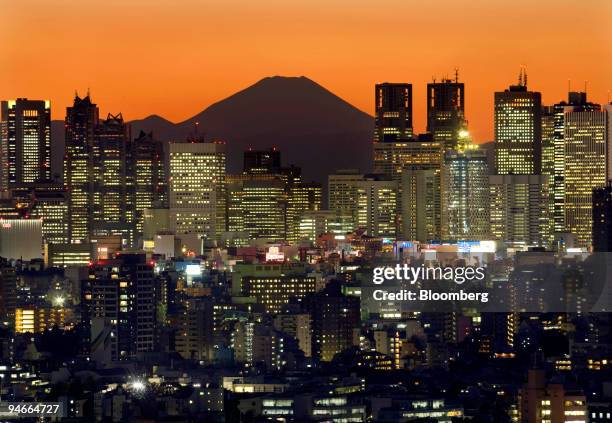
(191, 52)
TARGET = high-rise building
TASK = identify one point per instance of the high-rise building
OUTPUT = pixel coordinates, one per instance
(391, 158)
(25, 142)
(81, 121)
(194, 336)
(518, 130)
(298, 326)
(47, 202)
(372, 201)
(302, 197)
(275, 291)
(393, 118)
(112, 183)
(197, 188)
(150, 176)
(335, 317)
(420, 204)
(446, 112)
(465, 195)
(118, 301)
(257, 206)
(519, 209)
(602, 218)
(585, 169)
(554, 164)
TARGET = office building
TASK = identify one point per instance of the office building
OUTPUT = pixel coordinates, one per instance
(298, 326)
(302, 198)
(446, 112)
(371, 200)
(420, 204)
(150, 176)
(391, 158)
(275, 291)
(518, 130)
(197, 188)
(25, 142)
(257, 205)
(393, 116)
(315, 223)
(584, 169)
(112, 187)
(519, 210)
(81, 121)
(194, 335)
(465, 195)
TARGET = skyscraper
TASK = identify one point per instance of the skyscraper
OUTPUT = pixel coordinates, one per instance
(112, 186)
(25, 142)
(446, 112)
(197, 188)
(420, 204)
(518, 130)
(577, 101)
(393, 119)
(422, 152)
(372, 201)
(262, 161)
(81, 121)
(150, 176)
(465, 195)
(585, 169)
(520, 209)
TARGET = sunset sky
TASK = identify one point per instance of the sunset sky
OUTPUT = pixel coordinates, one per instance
(175, 57)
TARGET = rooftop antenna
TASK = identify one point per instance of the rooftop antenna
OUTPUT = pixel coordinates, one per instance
(87, 91)
(520, 78)
(524, 76)
(456, 75)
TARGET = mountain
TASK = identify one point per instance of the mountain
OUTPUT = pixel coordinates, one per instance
(313, 128)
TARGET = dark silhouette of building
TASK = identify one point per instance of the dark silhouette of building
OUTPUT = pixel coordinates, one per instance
(262, 161)
(446, 111)
(602, 218)
(393, 117)
(335, 317)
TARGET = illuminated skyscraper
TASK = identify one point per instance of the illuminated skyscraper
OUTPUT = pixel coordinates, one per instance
(150, 176)
(25, 142)
(555, 166)
(257, 206)
(391, 158)
(585, 169)
(302, 197)
(197, 188)
(420, 204)
(81, 121)
(465, 195)
(393, 112)
(518, 130)
(372, 201)
(112, 186)
(446, 112)
(519, 207)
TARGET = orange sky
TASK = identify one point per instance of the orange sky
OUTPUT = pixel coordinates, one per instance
(175, 57)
